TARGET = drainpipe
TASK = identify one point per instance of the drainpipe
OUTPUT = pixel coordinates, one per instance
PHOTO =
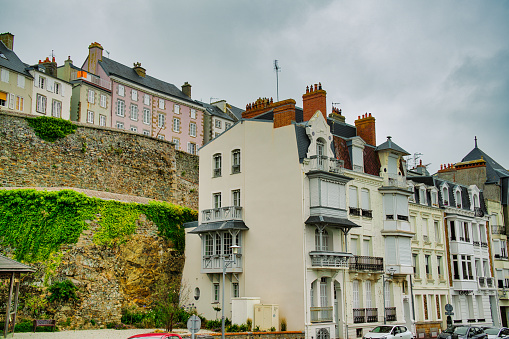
(412, 293)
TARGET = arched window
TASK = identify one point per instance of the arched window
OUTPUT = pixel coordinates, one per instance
(320, 153)
(445, 196)
(457, 195)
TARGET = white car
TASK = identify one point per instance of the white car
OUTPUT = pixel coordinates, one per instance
(497, 332)
(389, 332)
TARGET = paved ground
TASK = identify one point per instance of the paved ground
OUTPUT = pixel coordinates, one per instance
(92, 334)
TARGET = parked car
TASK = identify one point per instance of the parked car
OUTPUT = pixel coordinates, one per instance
(496, 332)
(463, 332)
(389, 332)
(156, 336)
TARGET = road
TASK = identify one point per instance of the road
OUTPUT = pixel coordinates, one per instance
(93, 334)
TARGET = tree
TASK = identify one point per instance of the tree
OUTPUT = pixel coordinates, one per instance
(170, 296)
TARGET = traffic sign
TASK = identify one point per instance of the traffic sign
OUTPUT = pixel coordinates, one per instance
(194, 324)
(448, 307)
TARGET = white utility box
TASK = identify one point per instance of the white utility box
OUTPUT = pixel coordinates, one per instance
(243, 308)
(266, 316)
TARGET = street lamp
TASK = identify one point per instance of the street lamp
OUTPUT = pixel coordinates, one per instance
(391, 273)
(227, 262)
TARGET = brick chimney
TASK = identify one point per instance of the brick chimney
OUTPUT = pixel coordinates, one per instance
(95, 54)
(8, 40)
(365, 125)
(139, 70)
(50, 67)
(284, 111)
(314, 100)
(186, 89)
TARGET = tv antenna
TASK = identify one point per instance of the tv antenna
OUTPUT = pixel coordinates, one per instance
(277, 69)
(108, 53)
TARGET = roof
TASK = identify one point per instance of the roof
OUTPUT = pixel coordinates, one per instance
(236, 111)
(215, 111)
(494, 171)
(11, 61)
(9, 265)
(112, 67)
(220, 226)
(342, 129)
(391, 145)
(331, 222)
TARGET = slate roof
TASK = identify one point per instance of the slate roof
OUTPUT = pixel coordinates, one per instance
(302, 141)
(389, 144)
(494, 171)
(342, 129)
(215, 111)
(11, 61)
(220, 226)
(112, 67)
(9, 265)
(237, 112)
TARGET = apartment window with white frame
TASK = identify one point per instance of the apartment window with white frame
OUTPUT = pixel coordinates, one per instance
(457, 196)
(218, 123)
(42, 82)
(133, 128)
(193, 113)
(58, 88)
(422, 196)
(160, 137)
(439, 268)
(236, 161)
(209, 245)
(146, 132)
(146, 99)
(102, 120)
(236, 197)
(120, 108)
(146, 116)
(161, 103)
(217, 200)
(90, 117)
(321, 240)
(217, 165)
(424, 228)
(56, 109)
(356, 295)
(12, 99)
(91, 96)
(191, 147)
(19, 103)
(4, 75)
(21, 81)
(227, 125)
(103, 101)
(176, 125)
(121, 90)
(134, 112)
(120, 125)
(438, 239)
(176, 109)
(216, 292)
(434, 198)
(160, 120)
(445, 196)
(368, 292)
(235, 292)
(41, 104)
(176, 141)
(134, 95)
(192, 129)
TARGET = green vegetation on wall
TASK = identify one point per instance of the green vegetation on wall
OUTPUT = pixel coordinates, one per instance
(36, 223)
(51, 129)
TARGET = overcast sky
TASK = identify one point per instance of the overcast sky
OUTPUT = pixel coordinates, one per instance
(433, 73)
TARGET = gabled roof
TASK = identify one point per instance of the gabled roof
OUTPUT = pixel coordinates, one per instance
(389, 144)
(215, 111)
(236, 111)
(112, 67)
(11, 61)
(494, 171)
(9, 265)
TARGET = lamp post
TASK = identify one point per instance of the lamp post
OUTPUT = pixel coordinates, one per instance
(227, 262)
(391, 273)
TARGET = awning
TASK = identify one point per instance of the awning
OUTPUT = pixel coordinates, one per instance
(331, 222)
(3, 96)
(220, 226)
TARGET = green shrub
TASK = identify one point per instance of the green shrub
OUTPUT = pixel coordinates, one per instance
(62, 291)
(51, 129)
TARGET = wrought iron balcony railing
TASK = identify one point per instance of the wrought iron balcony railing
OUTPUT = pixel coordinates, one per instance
(390, 313)
(365, 263)
(221, 214)
(329, 259)
(324, 163)
(365, 315)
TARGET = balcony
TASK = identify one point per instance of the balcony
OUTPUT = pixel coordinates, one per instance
(329, 259)
(326, 164)
(321, 314)
(498, 229)
(390, 313)
(365, 315)
(221, 214)
(396, 181)
(365, 263)
(214, 264)
(89, 77)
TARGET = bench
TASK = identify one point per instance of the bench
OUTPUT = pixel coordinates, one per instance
(44, 323)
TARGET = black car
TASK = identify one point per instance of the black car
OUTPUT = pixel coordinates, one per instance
(463, 332)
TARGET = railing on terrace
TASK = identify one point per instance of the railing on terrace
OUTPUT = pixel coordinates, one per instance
(324, 163)
(365, 263)
(498, 229)
(214, 263)
(82, 75)
(365, 315)
(396, 181)
(329, 259)
(321, 314)
(221, 214)
(390, 313)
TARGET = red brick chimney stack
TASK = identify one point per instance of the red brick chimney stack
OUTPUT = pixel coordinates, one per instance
(366, 128)
(314, 100)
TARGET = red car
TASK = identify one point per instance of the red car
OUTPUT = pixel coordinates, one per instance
(156, 336)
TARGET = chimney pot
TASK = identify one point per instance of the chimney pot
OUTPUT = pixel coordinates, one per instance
(369, 114)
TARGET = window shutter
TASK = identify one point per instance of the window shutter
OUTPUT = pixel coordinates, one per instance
(368, 293)
(50, 85)
(365, 199)
(353, 197)
(12, 100)
(36, 80)
(355, 286)
(62, 89)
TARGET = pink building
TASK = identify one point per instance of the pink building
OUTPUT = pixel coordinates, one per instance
(146, 105)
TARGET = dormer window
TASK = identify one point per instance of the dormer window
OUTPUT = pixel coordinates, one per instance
(457, 197)
(320, 151)
(411, 188)
(434, 197)
(422, 195)
(445, 195)
(474, 192)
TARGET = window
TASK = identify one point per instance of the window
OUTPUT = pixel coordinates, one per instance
(41, 104)
(236, 161)
(445, 195)
(58, 88)
(176, 125)
(160, 136)
(120, 125)
(235, 291)
(192, 129)
(134, 112)
(356, 297)
(217, 200)
(193, 113)
(415, 264)
(160, 120)
(161, 103)
(209, 244)
(4, 75)
(227, 243)
(217, 165)
(434, 198)
(134, 95)
(439, 267)
(452, 229)
(218, 123)
(90, 117)
(103, 101)
(135, 129)
(366, 244)
(455, 267)
(176, 109)
(146, 99)
(353, 196)
(227, 125)
(236, 197)
(120, 108)
(366, 203)
(12, 99)
(437, 232)
(3, 99)
(146, 116)
(422, 196)
(191, 147)
(176, 141)
(367, 286)
(321, 240)
(427, 259)
(91, 96)
(216, 292)
(425, 229)
(102, 120)
(457, 196)
(146, 132)
(42, 82)
(121, 90)
(21, 81)
(19, 103)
